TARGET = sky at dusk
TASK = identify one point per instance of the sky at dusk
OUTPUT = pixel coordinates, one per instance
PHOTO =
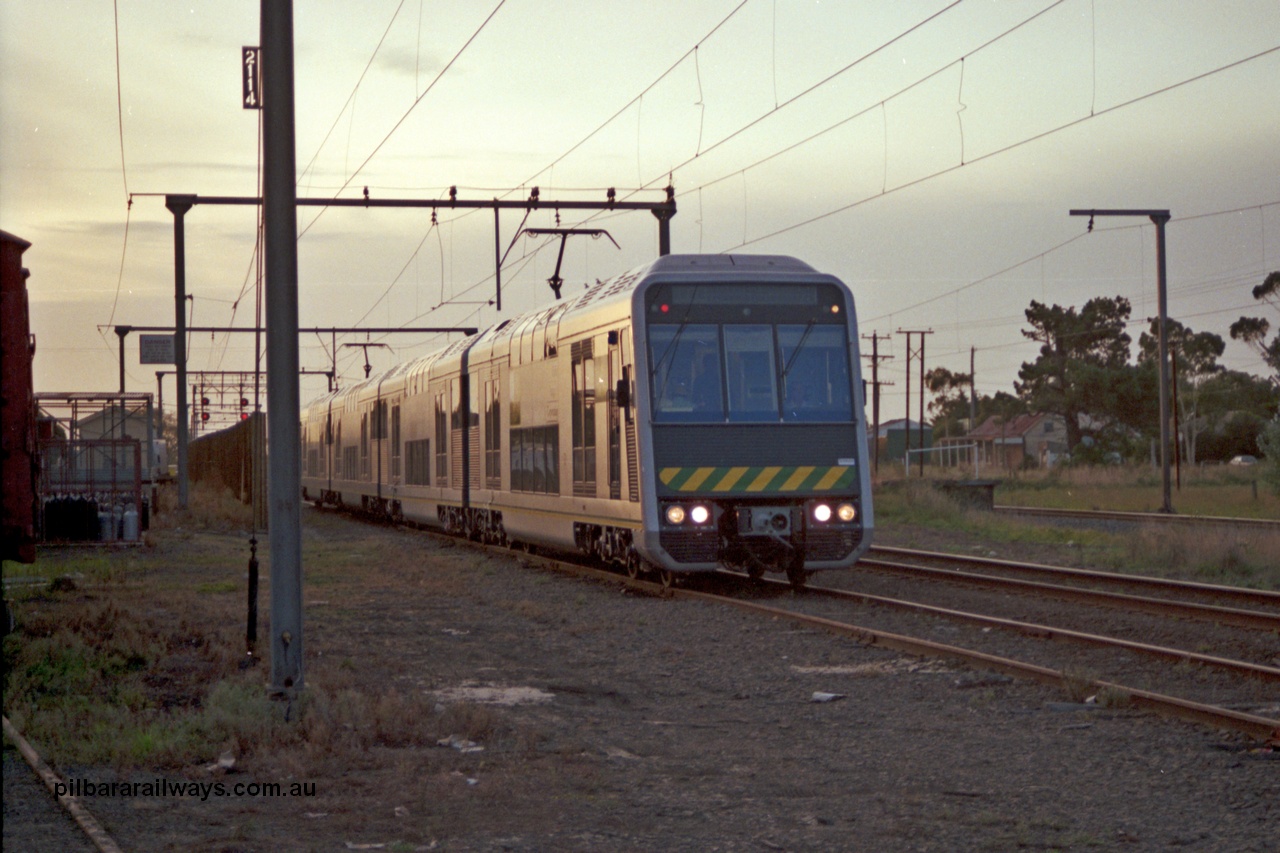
(927, 153)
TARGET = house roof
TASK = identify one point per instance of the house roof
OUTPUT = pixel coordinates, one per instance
(896, 426)
(993, 427)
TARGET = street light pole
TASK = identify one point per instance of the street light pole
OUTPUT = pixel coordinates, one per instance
(1160, 218)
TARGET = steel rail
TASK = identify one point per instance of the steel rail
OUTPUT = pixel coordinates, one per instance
(1051, 632)
(69, 802)
(1140, 517)
(1137, 603)
(1261, 728)
(1255, 596)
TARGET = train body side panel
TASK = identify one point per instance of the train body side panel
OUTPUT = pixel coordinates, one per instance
(543, 428)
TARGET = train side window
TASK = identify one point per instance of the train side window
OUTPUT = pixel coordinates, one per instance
(535, 460)
(418, 462)
(538, 350)
(395, 441)
(492, 435)
(442, 438)
(584, 422)
(515, 447)
(551, 448)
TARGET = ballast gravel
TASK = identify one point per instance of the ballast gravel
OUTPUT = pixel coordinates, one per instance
(625, 722)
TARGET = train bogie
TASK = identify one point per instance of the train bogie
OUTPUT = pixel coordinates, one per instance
(697, 413)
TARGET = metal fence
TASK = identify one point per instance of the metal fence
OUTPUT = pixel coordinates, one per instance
(91, 490)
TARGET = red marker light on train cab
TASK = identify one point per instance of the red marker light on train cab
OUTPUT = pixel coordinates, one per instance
(664, 308)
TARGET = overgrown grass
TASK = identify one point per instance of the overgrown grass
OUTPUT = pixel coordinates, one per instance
(208, 508)
(1221, 490)
(105, 671)
(917, 504)
(91, 700)
(1218, 490)
(1241, 557)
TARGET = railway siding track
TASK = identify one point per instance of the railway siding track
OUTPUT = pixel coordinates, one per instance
(798, 608)
(958, 563)
(1110, 517)
(1254, 725)
(957, 572)
(1040, 631)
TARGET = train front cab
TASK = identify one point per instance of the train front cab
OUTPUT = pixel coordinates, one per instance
(754, 404)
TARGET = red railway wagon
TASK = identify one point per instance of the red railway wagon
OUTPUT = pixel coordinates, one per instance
(18, 457)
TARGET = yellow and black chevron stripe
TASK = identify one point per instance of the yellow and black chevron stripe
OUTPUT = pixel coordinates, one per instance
(759, 480)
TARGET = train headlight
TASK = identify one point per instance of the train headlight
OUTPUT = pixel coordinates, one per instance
(822, 513)
(846, 512)
(699, 514)
(675, 514)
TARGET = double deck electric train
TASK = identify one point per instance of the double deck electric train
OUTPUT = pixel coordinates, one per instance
(696, 413)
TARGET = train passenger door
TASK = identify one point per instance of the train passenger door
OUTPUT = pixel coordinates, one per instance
(441, 432)
(584, 418)
(329, 453)
(615, 375)
(395, 442)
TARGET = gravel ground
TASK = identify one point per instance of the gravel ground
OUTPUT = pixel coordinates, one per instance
(1201, 683)
(640, 723)
(33, 820)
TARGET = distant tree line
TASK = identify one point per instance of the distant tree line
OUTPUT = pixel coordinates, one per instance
(1110, 402)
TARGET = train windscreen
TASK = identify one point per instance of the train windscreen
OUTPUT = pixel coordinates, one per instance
(749, 354)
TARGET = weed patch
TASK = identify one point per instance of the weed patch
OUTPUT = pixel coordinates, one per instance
(1237, 557)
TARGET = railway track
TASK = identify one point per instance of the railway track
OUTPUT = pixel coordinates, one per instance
(1249, 608)
(1129, 519)
(1238, 691)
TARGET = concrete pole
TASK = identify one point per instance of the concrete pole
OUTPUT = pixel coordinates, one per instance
(160, 404)
(906, 416)
(280, 232)
(922, 404)
(179, 205)
(121, 332)
(1160, 219)
(875, 400)
(497, 255)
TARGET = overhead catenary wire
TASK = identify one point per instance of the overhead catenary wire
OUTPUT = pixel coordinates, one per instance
(818, 85)
(1041, 255)
(124, 169)
(693, 52)
(623, 109)
(1239, 277)
(1014, 145)
(408, 112)
(350, 98)
(737, 171)
(504, 192)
